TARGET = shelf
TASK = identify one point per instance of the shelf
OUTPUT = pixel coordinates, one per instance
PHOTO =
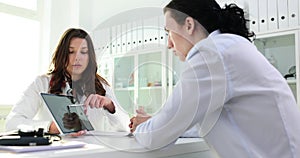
(277, 32)
(124, 89)
(291, 81)
(279, 51)
(151, 88)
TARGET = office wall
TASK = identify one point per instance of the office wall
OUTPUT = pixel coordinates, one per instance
(63, 14)
(100, 11)
(88, 14)
(94, 12)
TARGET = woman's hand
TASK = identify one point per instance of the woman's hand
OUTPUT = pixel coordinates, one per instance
(141, 117)
(98, 101)
(53, 129)
(71, 121)
(77, 134)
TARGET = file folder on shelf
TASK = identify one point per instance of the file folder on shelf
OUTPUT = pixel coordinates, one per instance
(129, 34)
(293, 14)
(140, 35)
(161, 31)
(119, 39)
(123, 38)
(262, 15)
(134, 36)
(282, 6)
(253, 15)
(113, 40)
(272, 15)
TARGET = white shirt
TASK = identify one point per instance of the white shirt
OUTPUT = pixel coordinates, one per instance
(31, 110)
(241, 104)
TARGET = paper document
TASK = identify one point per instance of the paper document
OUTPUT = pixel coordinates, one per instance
(110, 134)
(54, 146)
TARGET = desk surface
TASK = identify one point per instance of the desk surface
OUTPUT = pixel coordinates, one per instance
(121, 146)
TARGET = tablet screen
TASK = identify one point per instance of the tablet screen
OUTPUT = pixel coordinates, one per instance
(69, 117)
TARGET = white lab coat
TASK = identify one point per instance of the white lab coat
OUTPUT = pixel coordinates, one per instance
(31, 110)
(241, 104)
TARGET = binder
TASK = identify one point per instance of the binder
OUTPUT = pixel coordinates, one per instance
(272, 15)
(113, 35)
(253, 15)
(129, 34)
(140, 35)
(161, 37)
(101, 40)
(134, 36)
(106, 40)
(262, 15)
(150, 30)
(282, 6)
(119, 39)
(293, 15)
(97, 41)
(123, 38)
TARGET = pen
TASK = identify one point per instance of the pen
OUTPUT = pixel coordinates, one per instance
(73, 105)
(69, 112)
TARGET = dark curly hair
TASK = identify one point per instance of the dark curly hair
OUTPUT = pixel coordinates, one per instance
(211, 16)
(90, 83)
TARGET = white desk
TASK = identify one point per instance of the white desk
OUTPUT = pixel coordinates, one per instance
(122, 147)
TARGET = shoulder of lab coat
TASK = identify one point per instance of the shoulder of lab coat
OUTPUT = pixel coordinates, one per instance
(29, 106)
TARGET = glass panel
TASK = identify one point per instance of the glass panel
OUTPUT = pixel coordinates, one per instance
(280, 51)
(150, 99)
(104, 68)
(150, 69)
(124, 82)
(125, 98)
(123, 70)
(28, 4)
(150, 82)
(293, 87)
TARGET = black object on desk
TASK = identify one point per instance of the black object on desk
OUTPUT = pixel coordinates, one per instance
(32, 138)
(25, 141)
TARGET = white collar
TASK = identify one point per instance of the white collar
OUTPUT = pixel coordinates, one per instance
(199, 43)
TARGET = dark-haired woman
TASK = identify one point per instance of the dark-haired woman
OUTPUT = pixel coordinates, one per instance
(241, 104)
(73, 71)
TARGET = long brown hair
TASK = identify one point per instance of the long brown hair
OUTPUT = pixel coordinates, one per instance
(90, 82)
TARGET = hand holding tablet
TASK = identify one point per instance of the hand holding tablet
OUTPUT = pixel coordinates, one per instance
(68, 117)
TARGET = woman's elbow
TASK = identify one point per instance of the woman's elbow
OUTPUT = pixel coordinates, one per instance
(148, 142)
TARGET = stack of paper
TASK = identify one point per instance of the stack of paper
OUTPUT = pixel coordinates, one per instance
(54, 146)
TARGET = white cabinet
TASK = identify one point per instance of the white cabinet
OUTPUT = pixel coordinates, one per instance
(279, 41)
(139, 79)
(281, 48)
(272, 15)
(132, 55)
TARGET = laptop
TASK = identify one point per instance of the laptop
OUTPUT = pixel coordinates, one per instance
(68, 116)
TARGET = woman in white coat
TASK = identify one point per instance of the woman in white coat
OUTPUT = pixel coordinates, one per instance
(242, 105)
(73, 71)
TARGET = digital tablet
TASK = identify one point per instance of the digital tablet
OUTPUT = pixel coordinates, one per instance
(68, 116)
